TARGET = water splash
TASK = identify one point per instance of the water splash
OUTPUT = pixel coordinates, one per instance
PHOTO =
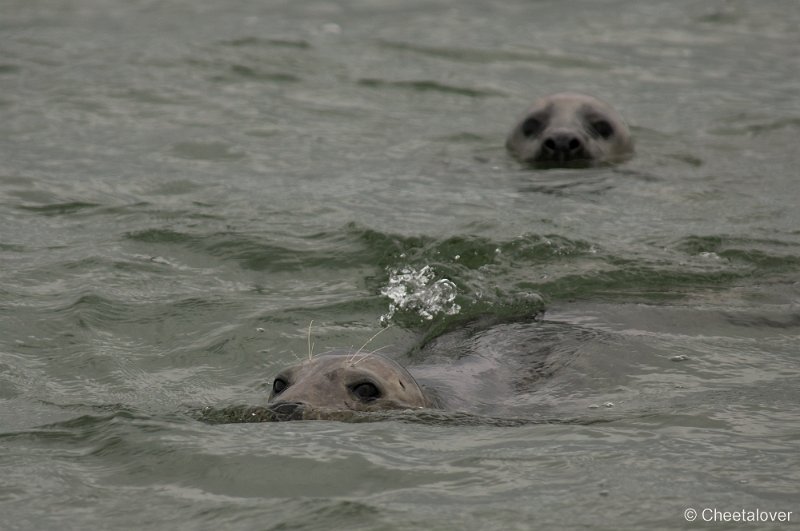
(416, 291)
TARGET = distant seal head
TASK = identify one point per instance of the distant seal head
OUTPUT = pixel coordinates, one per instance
(329, 386)
(570, 129)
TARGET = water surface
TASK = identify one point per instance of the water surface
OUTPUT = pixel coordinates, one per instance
(185, 186)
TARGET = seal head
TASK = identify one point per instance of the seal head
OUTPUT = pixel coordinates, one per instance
(331, 385)
(570, 129)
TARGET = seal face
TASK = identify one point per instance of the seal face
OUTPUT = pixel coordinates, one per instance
(329, 384)
(570, 129)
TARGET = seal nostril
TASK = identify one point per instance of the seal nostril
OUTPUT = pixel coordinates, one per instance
(563, 144)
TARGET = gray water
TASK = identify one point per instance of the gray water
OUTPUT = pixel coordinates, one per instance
(185, 186)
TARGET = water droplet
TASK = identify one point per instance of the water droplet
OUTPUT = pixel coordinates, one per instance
(415, 290)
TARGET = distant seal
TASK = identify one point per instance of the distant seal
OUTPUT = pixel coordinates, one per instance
(568, 129)
(328, 385)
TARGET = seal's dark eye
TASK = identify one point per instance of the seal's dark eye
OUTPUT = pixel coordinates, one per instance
(531, 127)
(603, 128)
(279, 385)
(366, 391)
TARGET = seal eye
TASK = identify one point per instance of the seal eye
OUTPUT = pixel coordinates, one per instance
(531, 127)
(365, 391)
(603, 128)
(279, 385)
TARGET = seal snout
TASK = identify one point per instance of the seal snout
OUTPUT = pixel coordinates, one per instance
(563, 146)
(287, 410)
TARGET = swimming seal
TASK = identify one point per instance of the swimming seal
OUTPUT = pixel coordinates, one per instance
(570, 129)
(329, 386)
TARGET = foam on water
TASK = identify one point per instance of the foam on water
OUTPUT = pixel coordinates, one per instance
(416, 290)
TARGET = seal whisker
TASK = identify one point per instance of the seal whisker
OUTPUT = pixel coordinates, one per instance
(367, 355)
(357, 352)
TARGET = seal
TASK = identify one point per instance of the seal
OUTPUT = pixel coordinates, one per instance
(480, 371)
(331, 385)
(570, 129)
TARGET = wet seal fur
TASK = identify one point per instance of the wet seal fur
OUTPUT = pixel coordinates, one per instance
(480, 372)
(336, 385)
(570, 129)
